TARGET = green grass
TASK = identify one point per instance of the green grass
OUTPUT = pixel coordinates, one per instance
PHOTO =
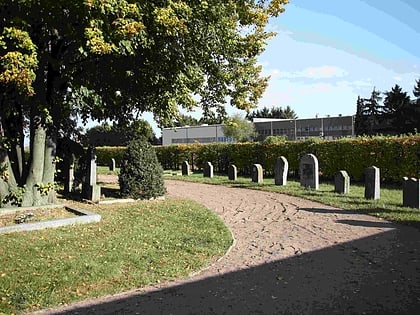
(134, 245)
(104, 170)
(388, 207)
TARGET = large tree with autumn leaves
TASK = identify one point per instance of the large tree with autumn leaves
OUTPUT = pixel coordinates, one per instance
(64, 61)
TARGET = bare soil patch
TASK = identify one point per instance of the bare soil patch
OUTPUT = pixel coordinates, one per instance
(34, 215)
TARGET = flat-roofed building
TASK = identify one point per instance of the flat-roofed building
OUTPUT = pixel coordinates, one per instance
(194, 134)
(294, 129)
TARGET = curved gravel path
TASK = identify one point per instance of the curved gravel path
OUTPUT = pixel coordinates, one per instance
(290, 256)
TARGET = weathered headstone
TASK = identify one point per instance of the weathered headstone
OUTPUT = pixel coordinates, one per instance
(90, 190)
(70, 182)
(281, 168)
(411, 192)
(257, 173)
(208, 170)
(186, 171)
(308, 169)
(342, 182)
(232, 172)
(372, 183)
(112, 165)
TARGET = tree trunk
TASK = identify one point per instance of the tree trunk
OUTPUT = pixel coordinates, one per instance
(32, 196)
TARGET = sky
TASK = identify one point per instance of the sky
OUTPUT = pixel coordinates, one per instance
(329, 52)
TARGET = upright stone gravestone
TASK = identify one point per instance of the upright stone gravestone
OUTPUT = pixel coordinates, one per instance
(208, 170)
(308, 169)
(342, 182)
(372, 183)
(112, 165)
(70, 182)
(411, 192)
(257, 173)
(90, 190)
(186, 171)
(232, 172)
(281, 168)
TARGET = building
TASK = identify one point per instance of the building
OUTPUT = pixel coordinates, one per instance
(301, 129)
(293, 129)
(194, 134)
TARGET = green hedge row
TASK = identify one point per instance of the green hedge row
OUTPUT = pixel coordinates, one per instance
(105, 154)
(395, 156)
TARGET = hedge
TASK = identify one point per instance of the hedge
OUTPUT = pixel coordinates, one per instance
(105, 154)
(395, 156)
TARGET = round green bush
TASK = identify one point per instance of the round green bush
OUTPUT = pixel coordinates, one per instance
(141, 175)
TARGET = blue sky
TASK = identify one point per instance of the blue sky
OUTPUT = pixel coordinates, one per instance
(327, 52)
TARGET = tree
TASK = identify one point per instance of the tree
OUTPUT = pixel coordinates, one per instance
(118, 134)
(395, 100)
(274, 112)
(111, 60)
(239, 128)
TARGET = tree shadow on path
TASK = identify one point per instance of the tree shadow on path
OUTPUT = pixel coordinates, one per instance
(379, 274)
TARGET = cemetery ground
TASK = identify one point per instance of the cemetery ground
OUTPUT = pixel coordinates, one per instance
(134, 245)
(388, 207)
(290, 255)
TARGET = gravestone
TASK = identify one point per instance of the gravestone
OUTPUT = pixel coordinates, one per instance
(70, 181)
(208, 170)
(186, 169)
(372, 183)
(342, 182)
(411, 192)
(308, 169)
(281, 168)
(112, 165)
(232, 172)
(257, 173)
(90, 190)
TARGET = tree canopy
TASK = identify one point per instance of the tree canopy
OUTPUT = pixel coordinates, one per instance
(397, 114)
(274, 112)
(239, 128)
(61, 61)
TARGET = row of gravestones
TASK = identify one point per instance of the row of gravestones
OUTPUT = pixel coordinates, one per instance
(309, 178)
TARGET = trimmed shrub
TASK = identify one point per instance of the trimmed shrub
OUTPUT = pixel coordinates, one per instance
(141, 175)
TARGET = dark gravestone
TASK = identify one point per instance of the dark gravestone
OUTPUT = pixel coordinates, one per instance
(281, 168)
(186, 169)
(112, 165)
(342, 182)
(411, 192)
(232, 172)
(90, 190)
(208, 170)
(372, 183)
(257, 173)
(308, 169)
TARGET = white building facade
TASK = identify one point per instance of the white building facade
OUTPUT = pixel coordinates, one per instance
(293, 129)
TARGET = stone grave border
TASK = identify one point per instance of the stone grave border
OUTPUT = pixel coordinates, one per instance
(82, 217)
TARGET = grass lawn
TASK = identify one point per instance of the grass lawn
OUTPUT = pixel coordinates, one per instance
(389, 206)
(134, 245)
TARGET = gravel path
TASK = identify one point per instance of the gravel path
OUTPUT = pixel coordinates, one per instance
(290, 256)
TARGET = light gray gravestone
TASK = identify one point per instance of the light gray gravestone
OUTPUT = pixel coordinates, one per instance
(70, 179)
(208, 170)
(112, 165)
(186, 171)
(232, 172)
(90, 190)
(257, 173)
(411, 192)
(308, 169)
(281, 168)
(342, 182)
(372, 183)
